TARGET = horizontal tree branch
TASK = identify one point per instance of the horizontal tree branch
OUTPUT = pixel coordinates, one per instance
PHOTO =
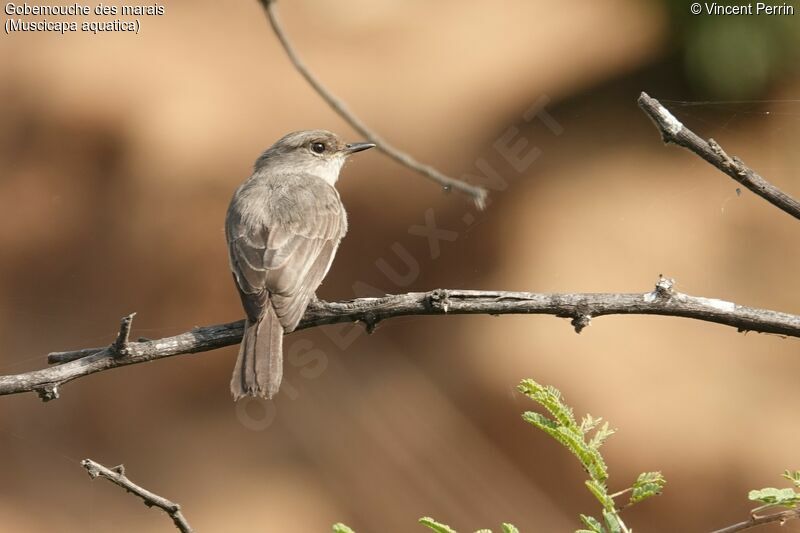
(581, 308)
(673, 131)
(478, 193)
(116, 475)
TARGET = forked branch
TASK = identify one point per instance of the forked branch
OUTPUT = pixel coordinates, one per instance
(117, 476)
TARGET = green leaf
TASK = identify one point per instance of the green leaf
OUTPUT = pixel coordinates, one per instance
(510, 528)
(549, 397)
(589, 423)
(573, 440)
(646, 485)
(342, 528)
(613, 521)
(592, 523)
(600, 492)
(794, 477)
(540, 421)
(484, 531)
(600, 436)
(772, 496)
(565, 430)
(430, 523)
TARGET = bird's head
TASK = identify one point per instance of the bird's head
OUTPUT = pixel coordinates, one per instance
(317, 152)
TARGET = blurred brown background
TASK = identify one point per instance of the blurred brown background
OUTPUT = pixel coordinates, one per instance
(119, 153)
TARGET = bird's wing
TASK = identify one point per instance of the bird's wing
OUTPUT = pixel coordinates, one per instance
(282, 252)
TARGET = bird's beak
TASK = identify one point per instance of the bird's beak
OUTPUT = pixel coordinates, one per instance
(357, 147)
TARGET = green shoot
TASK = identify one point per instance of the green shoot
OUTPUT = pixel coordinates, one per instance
(430, 523)
(772, 497)
(579, 440)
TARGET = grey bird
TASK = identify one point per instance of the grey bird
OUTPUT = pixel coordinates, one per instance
(283, 227)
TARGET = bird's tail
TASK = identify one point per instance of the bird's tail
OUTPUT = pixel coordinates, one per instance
(259, 368)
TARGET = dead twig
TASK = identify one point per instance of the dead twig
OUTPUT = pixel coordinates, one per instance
(478, 193)
(116, 475)
(755, 521)
(673, 131)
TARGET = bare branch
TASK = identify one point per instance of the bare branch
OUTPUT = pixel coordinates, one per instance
(673, 131)
(580, 308)
(117, 476)
(478, 193)
(755, 521)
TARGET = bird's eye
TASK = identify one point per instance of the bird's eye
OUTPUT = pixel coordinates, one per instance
(318, 147)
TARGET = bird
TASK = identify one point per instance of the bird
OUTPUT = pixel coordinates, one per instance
(283, 227)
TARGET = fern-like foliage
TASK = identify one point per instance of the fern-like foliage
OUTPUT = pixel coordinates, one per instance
(584, 441)
(772, 497)
(430, 523)
(646, 485)
(794, 477)
(433, 525)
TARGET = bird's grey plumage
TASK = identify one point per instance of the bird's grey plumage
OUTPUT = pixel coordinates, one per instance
(283, 228)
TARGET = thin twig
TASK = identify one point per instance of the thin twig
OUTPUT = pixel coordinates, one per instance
(755, 521)
(673, 131)
(620, 493)
(579, 307)
(117, 476)
(478, 193)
